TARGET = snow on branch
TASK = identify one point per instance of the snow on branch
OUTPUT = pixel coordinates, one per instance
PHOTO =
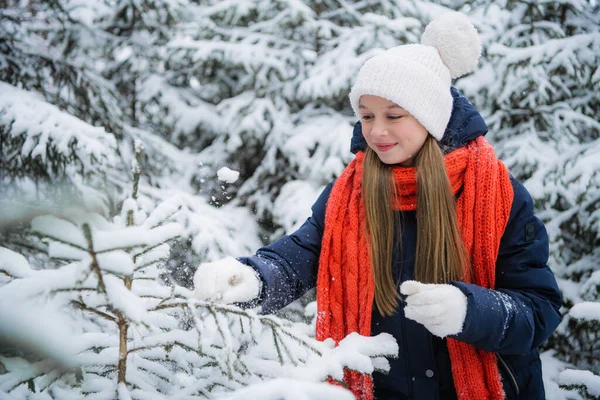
(583, 381)
(41, 131)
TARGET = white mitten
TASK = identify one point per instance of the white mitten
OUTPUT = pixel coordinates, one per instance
(226, 281)
(440, 308)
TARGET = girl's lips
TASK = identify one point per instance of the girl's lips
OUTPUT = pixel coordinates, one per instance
(384, 147)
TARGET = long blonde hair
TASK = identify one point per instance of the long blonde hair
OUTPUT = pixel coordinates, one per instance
(440, 254)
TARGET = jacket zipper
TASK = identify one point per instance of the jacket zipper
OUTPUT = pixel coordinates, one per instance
(510, 373)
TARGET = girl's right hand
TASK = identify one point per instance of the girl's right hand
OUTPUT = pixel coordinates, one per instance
(226, 281)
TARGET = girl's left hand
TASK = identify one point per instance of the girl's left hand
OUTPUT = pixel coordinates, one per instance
(441, 308)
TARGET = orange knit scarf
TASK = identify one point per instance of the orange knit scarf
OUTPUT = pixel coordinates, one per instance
(345, 283)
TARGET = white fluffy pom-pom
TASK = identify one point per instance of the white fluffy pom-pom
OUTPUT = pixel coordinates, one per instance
(456, 40)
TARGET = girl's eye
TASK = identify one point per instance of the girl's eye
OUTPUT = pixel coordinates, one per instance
(367, 117)
(395, 116)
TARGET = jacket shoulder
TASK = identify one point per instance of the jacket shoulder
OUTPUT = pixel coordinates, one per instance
(523, 226)
(319, 207)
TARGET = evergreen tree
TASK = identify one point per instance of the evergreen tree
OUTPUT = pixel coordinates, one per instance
(278, 74)
(261, 86)
(67, 134)
(48, 47)
(133, 337)
(540, 89)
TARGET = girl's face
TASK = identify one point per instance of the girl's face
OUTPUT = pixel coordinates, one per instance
(394, 134)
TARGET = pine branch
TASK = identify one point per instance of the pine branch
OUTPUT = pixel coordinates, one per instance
(166, 306)
(175, 343)
(169, 216)
(36, 370)
(2, 271)
(82, 306)
(290, 333)
(95, 266)
(148, 249)
(56, 239)
(276, 341)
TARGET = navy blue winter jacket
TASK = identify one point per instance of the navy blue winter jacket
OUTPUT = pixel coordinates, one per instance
(512, 320)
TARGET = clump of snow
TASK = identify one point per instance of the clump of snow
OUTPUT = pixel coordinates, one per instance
(123, 299)
(218, 232)
(59, 229)
(586, 310)
(20, 328)
(551, 368)
(164, 211)
(118, 262)
(134, 236)
(289, 389)
(46, 281)
(583, 379)
(227, 175)
(47, 129)
(14, 264)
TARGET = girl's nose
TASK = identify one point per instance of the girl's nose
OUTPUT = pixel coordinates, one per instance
(379, 129)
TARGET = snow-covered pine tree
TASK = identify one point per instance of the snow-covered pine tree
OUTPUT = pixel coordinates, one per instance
(55, 109)
(49, 48)
(67, 127)
(133, 337)
(277, 74)
(540, 89)
(266, 85)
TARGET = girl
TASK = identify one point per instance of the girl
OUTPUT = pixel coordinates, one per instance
(424, 235)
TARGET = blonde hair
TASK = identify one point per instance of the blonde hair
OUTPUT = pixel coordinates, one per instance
(440, 254)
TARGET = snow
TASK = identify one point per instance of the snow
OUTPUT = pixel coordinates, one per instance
(288, 389)
(261, 88)
(185, 112)
(14, 264)
(47, 281)
(118, 262)
(591, 382)
(382, 344)
(285, 208)
(46, 128)
(586, 310)
(123, 392)
(134, 237)
(61, 230)
(163, 212)
(216, 233)
(227, 175)
(65, 251)
(20, 328)
(159, 253)
(551, 368)
(123, 299)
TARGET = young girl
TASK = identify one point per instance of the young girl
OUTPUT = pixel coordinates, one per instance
(424, 235)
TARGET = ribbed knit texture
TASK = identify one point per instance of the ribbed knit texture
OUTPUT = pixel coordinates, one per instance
(345, 282)
(412, 76)
(417, 77)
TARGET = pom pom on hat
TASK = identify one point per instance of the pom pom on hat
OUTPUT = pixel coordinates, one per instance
(456, 40)
(417, 77)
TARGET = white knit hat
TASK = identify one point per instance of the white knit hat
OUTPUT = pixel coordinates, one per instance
(417, 77)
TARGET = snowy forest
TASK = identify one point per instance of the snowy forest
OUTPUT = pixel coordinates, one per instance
(141, 138)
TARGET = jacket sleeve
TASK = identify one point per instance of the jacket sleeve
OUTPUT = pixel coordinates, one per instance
(288, 267)
(523, 310)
